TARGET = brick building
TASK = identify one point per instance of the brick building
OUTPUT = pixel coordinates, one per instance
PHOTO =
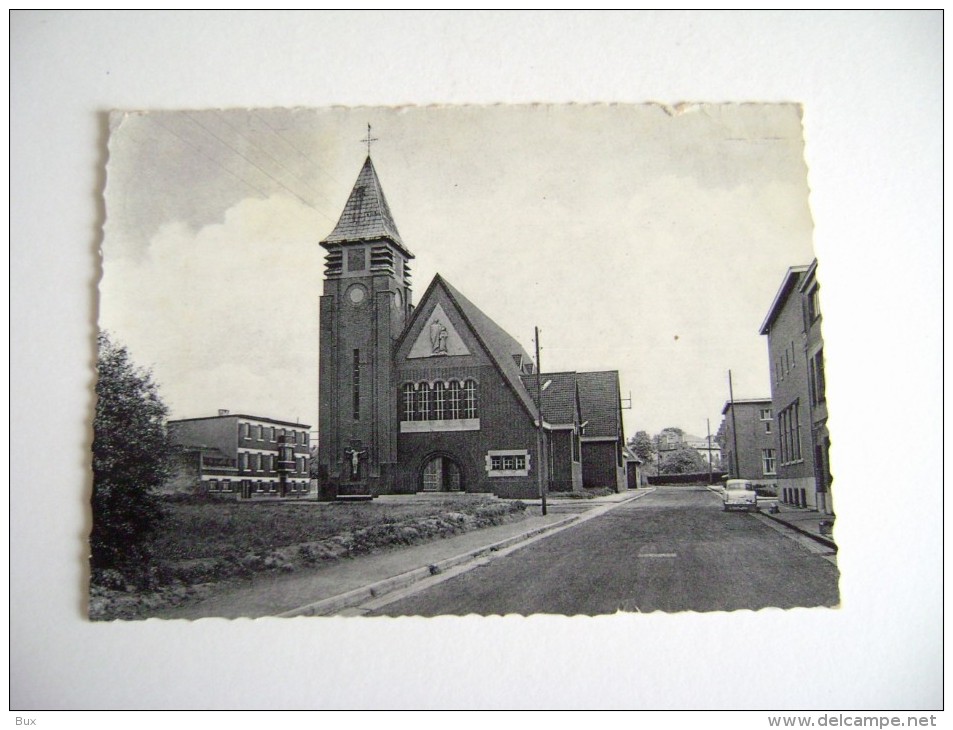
(438, 397)
(748, 446)
(237, 456)
(796, 354)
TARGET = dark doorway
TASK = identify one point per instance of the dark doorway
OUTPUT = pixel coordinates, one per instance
(441, 474)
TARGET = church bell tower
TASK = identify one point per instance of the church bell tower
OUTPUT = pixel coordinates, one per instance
(364, 308)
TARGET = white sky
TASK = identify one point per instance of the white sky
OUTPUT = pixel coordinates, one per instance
(637, 238)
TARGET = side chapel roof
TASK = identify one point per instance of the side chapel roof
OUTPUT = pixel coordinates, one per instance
(600, 403)
(559, 397)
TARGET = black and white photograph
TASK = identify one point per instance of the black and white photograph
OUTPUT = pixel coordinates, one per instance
(377, 360)
(322, 393)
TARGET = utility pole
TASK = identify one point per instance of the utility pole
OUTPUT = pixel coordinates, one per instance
(708, 427)
(539, 433)
(734, 428)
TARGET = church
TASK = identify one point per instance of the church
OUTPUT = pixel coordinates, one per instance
(437, 397)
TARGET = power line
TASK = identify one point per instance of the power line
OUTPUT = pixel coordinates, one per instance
(307, 157)
(274, 159)
(257, 167)
(152, 118)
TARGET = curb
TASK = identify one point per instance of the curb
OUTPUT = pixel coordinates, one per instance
(807, 533)
(357, 596)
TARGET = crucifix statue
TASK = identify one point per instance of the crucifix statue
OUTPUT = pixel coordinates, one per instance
(355, 458)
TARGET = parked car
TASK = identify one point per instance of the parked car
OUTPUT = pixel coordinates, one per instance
(740, 494)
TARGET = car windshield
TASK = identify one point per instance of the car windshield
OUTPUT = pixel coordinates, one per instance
(740, 486)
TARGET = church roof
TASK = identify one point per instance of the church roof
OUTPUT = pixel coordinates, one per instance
(499, 344)
(599, 403)
(559, 397)
(366, 215)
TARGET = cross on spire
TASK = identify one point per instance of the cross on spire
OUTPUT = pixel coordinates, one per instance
(368, 139)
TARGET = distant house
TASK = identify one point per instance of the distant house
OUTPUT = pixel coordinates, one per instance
(796, 352)
(707, 448)
(633, 468)
(237, 456)
(749, 441)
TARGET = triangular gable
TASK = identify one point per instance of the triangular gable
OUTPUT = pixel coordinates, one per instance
(498, 345)
(438, 338)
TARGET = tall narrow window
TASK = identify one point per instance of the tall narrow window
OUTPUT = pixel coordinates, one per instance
(768, 462)
(440, 401)
(356, 385)
(423, 403)
(408, 414)
(469, 399)
(453, 394)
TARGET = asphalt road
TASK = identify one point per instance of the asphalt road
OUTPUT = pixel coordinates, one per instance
(672, 550)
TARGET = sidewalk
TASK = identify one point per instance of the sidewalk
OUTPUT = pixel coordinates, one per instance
(349, 582)
(352, 578)
(806, 521)
(800, 519)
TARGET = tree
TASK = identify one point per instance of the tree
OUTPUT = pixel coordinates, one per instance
(132, 458)
(683, 459)
(643, 446)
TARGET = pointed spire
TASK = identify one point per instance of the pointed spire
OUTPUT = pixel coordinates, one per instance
(366, 215)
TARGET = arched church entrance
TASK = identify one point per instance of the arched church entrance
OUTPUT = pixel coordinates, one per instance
(441, 474)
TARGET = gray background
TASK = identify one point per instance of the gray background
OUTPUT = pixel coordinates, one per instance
(871, 85)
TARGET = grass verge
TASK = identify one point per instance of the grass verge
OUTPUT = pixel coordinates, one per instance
(200, 545)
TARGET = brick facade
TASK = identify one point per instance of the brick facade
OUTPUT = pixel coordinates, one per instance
(795, 351)
(240, 457)
(756, 449)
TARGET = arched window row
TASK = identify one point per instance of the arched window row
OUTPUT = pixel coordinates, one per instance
(441, 401)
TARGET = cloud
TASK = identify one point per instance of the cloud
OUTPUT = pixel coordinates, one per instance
(227, 312)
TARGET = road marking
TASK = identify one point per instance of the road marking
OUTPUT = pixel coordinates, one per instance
(658, 555)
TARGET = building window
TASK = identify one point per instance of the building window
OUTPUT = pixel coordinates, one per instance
(408, 413)
(304, 438)
(789, 425)
(453, 400)
(816, 378)
(271, 433)
(245, 431)
(213, 485)
(768, 466)
(261, 433)
(766, 414)
(767, 427)
(440, 402)
(469, 399)
(356, 385)
(423, 404)
(813, 304)
(508, 463)
(243, 461)
(257, 462)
